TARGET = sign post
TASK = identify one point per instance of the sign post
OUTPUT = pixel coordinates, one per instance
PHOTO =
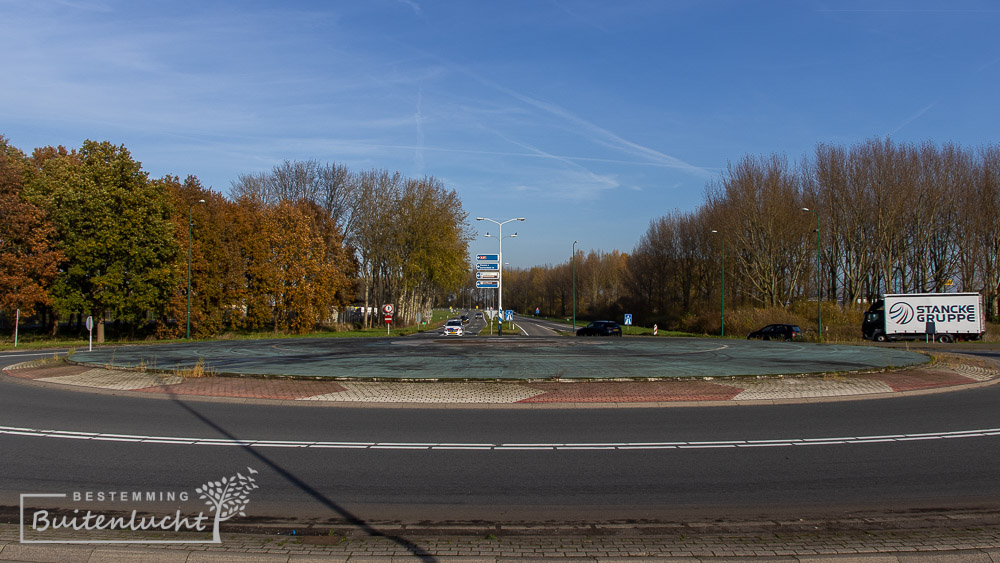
(491, 312)
(17, 319)
(387, 309)
(90, 329)
(488, 277)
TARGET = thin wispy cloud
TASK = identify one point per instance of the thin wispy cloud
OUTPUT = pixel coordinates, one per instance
(587, 185)
(912, 118)
(595, 132)
(413, 6)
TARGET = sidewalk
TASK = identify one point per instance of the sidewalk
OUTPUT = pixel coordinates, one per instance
(949, 371)
(964, 542)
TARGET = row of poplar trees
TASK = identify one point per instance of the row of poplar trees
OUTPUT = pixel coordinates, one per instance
(87, 233)
(883, 217)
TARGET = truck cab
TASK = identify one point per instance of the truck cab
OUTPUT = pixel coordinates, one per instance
(873, 326)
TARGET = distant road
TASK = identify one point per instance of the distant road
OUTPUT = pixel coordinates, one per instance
(538, 327)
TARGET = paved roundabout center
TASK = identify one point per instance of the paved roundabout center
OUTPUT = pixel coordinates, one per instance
(513, 358)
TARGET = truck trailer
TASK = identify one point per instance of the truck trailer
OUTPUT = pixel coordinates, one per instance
(944, 317)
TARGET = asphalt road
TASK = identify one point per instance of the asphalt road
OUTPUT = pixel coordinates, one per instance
(700, 480)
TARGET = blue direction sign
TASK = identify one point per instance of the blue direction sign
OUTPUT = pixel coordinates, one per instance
(487, 284)
(487, 275)
(488, 266)
(508, 315)
(488, 257)
(628, 319)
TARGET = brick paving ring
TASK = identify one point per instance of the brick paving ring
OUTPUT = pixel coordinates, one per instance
(496, 359)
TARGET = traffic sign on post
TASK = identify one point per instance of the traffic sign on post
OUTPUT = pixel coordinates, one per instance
(487, 275)
(387, 308)
(508, 315)
(487, 284)
(493, 266)
(628, 319)
(488, 257)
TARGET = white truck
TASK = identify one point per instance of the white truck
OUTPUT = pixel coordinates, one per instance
(944, 317)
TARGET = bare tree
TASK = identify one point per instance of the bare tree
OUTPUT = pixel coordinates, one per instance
(759, 200)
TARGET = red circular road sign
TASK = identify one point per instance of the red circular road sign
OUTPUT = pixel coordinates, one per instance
(388, 319)
(387, 309)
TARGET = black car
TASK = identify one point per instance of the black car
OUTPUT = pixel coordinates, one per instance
(601, 328)
(465, 319)
(777, 332)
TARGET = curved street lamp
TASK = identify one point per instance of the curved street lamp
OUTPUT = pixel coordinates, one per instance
(190, 230)
(819, 277)
(574, 286)
(500, 224)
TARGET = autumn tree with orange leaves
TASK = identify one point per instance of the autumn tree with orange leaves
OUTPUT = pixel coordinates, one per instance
(28, 258)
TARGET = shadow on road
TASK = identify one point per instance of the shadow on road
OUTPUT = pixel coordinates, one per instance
(351, 518)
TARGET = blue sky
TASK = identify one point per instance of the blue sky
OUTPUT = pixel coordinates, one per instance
(588, 118)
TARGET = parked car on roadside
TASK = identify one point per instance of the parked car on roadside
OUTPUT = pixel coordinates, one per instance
(777, 332)
(601, 328)
(454, 328)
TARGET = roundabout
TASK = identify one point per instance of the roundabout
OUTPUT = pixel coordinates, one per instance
(496, 359)
(804, 454)
(527, 372)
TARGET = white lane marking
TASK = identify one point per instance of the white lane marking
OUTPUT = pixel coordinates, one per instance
(187, 441)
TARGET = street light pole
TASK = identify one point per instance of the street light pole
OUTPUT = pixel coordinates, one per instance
(500, 256)
(574, 286)
(819, 277)
(722, 331)
(190, 230)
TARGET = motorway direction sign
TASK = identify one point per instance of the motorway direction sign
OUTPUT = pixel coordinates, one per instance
(487, 284)
(628, 319)
(487, 275)
(487, 266)
(488, 257)
(508, 315)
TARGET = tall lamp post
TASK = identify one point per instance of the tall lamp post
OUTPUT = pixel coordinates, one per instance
(722, 331)
(190, 231)
(574, 285)
(500, 225)
(819, 277)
